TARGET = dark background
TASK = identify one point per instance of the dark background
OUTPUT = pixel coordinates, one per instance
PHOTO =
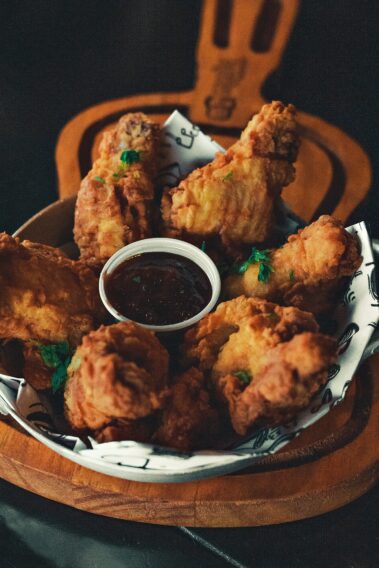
(56, 59)
(59, 57)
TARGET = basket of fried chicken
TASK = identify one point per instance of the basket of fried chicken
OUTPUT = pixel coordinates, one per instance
(159, 382)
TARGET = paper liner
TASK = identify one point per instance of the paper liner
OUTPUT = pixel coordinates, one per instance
(183, 148)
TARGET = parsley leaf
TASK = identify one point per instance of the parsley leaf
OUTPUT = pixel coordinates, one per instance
(130, 157)
(99, 179)
(264, 272)
(56, 356)
(137, 279)
(228, 176)
(244, 376)
(291, 275)
(263, 258)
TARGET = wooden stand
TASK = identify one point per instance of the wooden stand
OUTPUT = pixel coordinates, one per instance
(332, 462)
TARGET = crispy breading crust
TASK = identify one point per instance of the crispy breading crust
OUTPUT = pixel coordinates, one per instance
(293, 373)
(118, 372)
(114, 207)
(238, 335)
(235, 195)
(310, 270)
(45, 295)
(277, 348)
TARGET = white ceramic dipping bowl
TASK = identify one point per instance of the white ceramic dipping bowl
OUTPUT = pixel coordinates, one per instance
(173, 246)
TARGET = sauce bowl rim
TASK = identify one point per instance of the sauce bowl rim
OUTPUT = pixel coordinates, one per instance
(163, 244)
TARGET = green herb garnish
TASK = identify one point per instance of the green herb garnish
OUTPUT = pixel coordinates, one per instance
(228, 176)
(291, 275)
(257, 256)
(264, 272)
(202, 246)
(99, 179)
(244, 376)
(130, 157)
(56, 356)
(137, 279)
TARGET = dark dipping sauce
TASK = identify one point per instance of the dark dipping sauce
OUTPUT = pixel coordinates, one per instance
(158, 288)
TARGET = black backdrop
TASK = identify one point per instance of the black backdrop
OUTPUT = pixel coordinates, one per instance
(58, 57)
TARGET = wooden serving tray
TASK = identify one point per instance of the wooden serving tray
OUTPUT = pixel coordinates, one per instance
(332, 462)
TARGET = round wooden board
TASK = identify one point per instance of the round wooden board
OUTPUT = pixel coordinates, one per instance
(330, 464)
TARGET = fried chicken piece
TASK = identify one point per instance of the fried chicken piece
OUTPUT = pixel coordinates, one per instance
(309, 271)
(118, 372)
(115, 200)
(235, 195)
(35, 371)
(293, 373)
(140, 430)
(239, 334)
(45, 295)
(248, 341)
(189, 421)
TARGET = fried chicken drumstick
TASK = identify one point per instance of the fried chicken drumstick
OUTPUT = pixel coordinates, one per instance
(235, 195)
(115, 201)
(309, 271)
(118, 374)
(44, 295)
(264, 361)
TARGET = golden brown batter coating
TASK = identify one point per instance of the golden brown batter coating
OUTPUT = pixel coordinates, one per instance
(235, 195)
(309, 271)
(239, 334)
(115, 201)
(44, 295)
(118, 372)
(293, 373)
(264, 360)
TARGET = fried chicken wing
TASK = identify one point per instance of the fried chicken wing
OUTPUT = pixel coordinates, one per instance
(292, 374)
(118, 373)
(115, 201)
(309, 271)
(189, 421)
(238, 345)
(44, 295)
(235, 195)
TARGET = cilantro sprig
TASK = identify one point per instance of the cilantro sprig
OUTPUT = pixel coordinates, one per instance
(244, 376)
(127, 158)
(130, 157)
(261, 257)
(56, 356)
